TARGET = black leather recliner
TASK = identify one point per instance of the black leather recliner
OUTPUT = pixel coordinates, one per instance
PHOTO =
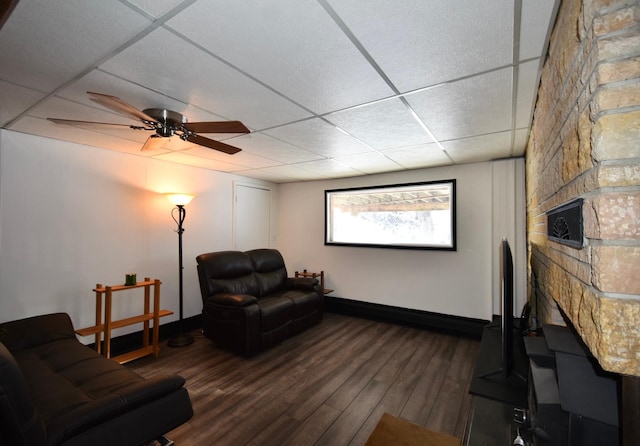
(249, 303)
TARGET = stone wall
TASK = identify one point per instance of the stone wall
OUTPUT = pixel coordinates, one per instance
(585, 143)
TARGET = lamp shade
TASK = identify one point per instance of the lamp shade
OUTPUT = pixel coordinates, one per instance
(179, 199)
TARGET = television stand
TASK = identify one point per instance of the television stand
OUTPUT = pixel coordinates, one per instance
(489, 379)
(504, 371)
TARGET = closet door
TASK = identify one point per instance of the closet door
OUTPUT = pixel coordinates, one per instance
(251, 216)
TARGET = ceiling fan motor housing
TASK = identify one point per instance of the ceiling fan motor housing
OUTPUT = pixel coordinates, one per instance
(167, 121)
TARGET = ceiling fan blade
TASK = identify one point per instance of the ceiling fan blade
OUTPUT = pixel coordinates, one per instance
(216, 127)
(213, 144)
(118, 105)
(153, 142)
(94, 125)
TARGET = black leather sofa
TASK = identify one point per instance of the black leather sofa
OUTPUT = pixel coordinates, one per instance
(56, 391)
(249, 303)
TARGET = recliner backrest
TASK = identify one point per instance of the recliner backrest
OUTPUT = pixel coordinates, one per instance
(226, 272)
(270, 270)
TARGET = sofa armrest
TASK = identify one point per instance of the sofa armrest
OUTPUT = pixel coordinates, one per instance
(301, 283)
(36, 330)
(232, 300)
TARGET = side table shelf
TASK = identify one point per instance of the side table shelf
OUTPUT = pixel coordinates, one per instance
(319, 275)
(104, 327)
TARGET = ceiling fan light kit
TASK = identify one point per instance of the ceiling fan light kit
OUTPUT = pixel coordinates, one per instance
(165, 123)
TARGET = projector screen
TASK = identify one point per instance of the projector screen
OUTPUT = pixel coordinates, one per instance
(406, 216)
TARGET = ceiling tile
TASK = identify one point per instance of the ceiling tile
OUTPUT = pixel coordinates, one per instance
(316, 65)
(15, 100)
(420, 156)
(479, 148)
(157, 8)
(196, 161)
(295, 173)
(369, 163)
(158, 62)
(135, 95)
(473, 106)
(243, 159)
(384, 125)
(318, 136)
(535, 24)
(44, 44)
(260, 174)
(528, 79)
(329, 167)
(419, 43)
(271, 148)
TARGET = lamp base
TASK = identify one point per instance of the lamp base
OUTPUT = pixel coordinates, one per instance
(181, 340)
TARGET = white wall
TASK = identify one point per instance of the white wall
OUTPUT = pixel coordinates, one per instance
(72, 216)
(456, 283)
(509, 209)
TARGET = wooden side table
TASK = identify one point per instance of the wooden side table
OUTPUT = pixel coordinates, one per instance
(320, 275)
(105, 327)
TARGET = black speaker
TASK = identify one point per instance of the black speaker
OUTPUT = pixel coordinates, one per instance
(549, 423)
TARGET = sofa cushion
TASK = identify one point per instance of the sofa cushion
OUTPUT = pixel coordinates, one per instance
(275, 312)
(304, 302)
(20, 422)
(270, 271)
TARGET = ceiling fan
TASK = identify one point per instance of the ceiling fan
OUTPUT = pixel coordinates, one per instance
(165, 124)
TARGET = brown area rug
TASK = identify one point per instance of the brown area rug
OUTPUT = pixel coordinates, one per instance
(398, 432)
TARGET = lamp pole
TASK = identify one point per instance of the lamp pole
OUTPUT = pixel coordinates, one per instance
(182, 338)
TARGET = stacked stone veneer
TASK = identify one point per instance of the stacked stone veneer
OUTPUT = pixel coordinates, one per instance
(585, 143)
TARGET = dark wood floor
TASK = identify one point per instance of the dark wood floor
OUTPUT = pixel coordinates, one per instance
(327, 386)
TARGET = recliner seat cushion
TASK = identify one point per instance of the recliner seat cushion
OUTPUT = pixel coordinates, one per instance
(275, 312)
(304, 302)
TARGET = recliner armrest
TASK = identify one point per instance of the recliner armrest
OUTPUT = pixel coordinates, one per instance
(301, 283)
(233, 300)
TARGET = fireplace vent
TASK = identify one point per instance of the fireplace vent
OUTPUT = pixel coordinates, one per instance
(564, 224)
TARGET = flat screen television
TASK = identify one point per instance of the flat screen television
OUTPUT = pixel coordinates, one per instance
(506, 292)
(505, 367)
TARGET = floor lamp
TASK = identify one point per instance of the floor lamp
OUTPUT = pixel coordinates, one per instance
(180, 201)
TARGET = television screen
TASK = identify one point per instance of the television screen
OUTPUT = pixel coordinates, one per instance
(506, 291)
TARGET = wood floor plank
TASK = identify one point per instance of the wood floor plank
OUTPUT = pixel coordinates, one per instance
(326, 386)
(313, 427)
(403, 384)
(452, 392)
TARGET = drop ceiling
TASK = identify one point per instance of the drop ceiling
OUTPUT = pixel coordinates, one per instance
(328, 88)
